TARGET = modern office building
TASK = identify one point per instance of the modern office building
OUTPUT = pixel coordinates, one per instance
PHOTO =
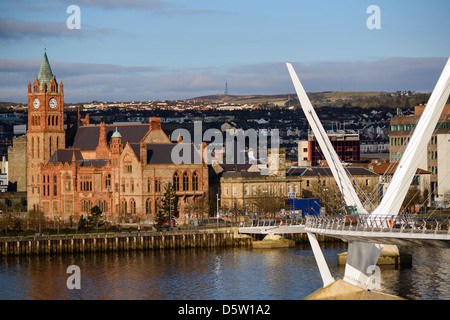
(435, 158)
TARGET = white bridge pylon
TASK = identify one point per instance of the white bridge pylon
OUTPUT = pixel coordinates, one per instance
(362, 255)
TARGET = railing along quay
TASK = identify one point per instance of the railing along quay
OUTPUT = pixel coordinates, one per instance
(98, 242)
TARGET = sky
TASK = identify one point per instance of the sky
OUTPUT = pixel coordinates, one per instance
(177, 49)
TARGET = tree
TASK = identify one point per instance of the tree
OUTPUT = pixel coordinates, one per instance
(198, 207)
(411, 199)
(33, 219)
(168, 206)
(269, 203)
(426, 195)
(169, 202)
(82, 222)
(95, 216)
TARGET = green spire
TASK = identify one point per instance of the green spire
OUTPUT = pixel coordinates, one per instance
(45, 72)
(116, 134)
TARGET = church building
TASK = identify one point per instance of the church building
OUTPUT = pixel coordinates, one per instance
(121, 168)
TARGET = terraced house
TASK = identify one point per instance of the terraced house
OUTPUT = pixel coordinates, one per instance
(121, 168)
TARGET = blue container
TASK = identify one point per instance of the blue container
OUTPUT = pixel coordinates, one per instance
(307, 206)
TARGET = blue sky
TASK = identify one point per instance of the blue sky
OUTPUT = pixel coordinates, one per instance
(173, 49)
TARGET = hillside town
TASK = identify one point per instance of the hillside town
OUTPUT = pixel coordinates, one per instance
(368, 128)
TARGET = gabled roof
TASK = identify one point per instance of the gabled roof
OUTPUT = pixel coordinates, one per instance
(86, 137)
(326, 171)
(65, 155)
(389, 168)
(236, 167)
(92, 162)
(161, 153)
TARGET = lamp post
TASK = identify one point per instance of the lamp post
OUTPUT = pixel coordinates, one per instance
(170, 208)
(39, 191)
(217, 210)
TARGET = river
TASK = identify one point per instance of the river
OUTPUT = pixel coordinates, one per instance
(209, 274)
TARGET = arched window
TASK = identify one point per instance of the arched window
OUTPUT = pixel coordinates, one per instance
(186, 181)
(157, 185)
(108, 181)
(67, 183)
(124, 206)
(86, 206)
(176, 181)
(148, 206)
(103, 205)
(128, 168)
(55, 185)
(195, 181)
(132, 206)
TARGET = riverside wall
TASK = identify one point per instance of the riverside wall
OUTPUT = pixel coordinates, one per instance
(106, 242)
(124, 241)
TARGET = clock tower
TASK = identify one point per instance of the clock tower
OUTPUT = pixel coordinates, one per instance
(45, 131)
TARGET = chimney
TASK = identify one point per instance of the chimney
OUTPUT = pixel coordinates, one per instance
(102, 136)
(102, 150)
(155, 123)
(202, 150)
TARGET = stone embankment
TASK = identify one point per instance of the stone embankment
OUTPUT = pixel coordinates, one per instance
(105, 242)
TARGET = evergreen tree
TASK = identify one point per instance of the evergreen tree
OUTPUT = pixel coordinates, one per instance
(168, 207)
(95, 216)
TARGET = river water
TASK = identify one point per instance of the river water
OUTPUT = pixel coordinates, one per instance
(209, 274)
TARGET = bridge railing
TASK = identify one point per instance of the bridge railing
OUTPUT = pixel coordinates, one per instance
(400, 223)
(273, 222)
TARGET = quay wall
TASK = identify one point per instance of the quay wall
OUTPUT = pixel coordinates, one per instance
(106, 242)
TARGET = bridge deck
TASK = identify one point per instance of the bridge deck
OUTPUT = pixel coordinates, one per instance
(401, 231)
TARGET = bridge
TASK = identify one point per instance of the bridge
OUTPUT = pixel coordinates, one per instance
(368, 233)
(400, 230)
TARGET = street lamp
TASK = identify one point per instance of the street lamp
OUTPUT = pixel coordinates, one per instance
(39, 191)
(217, 210)
(170, 209)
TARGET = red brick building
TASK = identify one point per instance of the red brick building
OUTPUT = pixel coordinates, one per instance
(346, 145)
(121, 168)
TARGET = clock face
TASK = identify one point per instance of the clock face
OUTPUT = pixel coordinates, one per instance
(52, 103)
(36, 103)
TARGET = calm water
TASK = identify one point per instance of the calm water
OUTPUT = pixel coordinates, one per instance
(230, 274)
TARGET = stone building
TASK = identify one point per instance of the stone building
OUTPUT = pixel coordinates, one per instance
(17, 165)
(243, 189)
(434, 159)
(123, 168)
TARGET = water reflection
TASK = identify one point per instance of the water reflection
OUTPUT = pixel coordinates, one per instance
(232, 273)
